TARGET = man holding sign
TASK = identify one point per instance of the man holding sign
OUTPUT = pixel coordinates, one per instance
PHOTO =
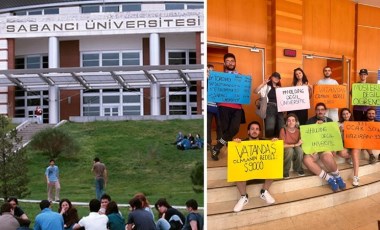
(230, 114)
(371, 115)
(254, 130)
(310, 160)
(327, 80)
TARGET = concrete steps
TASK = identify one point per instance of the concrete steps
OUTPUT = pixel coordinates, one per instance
(27, 131)
(293, 196)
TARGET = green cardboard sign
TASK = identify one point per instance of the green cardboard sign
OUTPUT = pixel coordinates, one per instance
(321, 137)
(366, 94)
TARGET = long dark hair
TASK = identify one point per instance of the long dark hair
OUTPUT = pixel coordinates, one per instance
(341, 120)
(304, 77)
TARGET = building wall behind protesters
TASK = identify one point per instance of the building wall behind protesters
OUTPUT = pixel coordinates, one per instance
(326, 28)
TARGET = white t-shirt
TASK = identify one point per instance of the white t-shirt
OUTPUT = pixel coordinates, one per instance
(331, 113)
(94, 221)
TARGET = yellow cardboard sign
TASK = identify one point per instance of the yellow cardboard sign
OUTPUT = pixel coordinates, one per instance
(257, 159)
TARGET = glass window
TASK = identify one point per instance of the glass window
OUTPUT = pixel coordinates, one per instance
(177, 58)
(34, 102)
(177, 109)
(111, 99)
(131, 110)
(131, 98)
(20, 102)
(110, 59)
(91, 111)
(193, 98)
(177, 98)
(51, 11)
(111, 8)
(20, 63)
(194, 6)
(45, 62)
(33, 62)
(18, 13)
(132, 58)
(131, 7)
(19, 112)
(90, 9)
(90, 60)
(35, 12)
(91, 100)
(174, 6)
(192, 58)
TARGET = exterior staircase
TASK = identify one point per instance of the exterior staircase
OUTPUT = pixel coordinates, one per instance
(27, 129)
(293, 196)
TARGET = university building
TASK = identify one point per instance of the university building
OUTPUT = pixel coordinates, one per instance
(101, 58)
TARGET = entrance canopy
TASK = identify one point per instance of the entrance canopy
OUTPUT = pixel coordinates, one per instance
(126, 77)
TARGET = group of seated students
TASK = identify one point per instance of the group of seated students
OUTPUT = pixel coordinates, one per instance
(104, 214)
(294, 155)
(186, 142)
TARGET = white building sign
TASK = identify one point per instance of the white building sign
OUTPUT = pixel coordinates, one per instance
(102, 23)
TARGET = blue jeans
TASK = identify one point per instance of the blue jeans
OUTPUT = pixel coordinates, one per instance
(274, 121)
(99, 187)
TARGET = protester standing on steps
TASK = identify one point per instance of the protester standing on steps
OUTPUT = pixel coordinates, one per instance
(52, 180)
(100, 172)
(230, 114)
(38, 113)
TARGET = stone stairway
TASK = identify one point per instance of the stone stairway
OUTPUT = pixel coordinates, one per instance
(293, 196)
(27, 131)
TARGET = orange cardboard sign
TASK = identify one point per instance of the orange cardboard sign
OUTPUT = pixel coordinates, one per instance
(362, 135)
(334, 96)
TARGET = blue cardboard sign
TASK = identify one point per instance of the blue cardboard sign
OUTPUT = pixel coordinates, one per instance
(229, 88)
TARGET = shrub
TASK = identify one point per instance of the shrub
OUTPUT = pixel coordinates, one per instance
(197, 177)
(54, 142)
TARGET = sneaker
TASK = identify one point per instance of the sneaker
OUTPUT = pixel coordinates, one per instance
(340, 183)
(301, 173)
(355, 181)
(241, 203)
(215, 154)
(267, 197)
(286, 176)
(349, 161)
(333, 184)
(372, 159)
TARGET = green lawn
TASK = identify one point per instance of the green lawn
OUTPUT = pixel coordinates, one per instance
(139, 157)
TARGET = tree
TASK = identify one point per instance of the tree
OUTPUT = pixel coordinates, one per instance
(54, 142)
(13, 171)
(197, 177)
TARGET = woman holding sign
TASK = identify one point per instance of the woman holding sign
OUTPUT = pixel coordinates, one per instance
(274, 120)
(290, 134)
(300, 79)
(345, 115)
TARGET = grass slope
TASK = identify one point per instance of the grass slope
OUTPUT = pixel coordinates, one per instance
(139, 157)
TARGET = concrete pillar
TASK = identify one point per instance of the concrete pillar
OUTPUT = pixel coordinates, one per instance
(154, 54)
(53, 104)
(53, 90)
(155, 101)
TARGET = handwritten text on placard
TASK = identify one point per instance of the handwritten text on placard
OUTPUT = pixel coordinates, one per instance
(366, 94)
(362, 135)
(229, 88)
(321, 137)
(292, 98)
(334, 96)
(255, 160)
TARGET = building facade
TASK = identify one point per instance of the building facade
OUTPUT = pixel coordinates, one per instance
(101, 58)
